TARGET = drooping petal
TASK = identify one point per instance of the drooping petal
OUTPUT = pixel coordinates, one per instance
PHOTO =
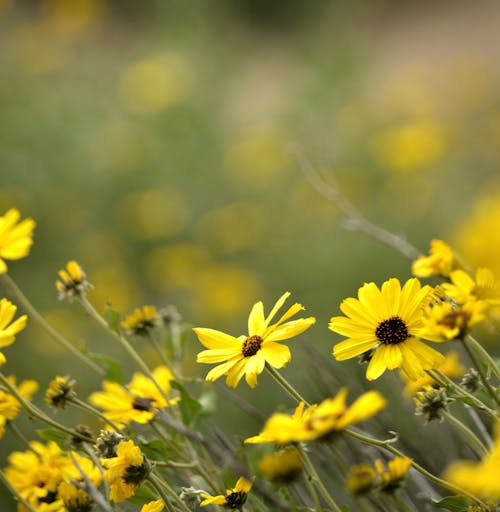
(254, 366)
(235, 374)
(393, 356)
(221, 369)
(275, 354)
(377, 365)
(418, 356)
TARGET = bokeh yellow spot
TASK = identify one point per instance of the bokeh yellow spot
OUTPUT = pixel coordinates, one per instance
(152, 84)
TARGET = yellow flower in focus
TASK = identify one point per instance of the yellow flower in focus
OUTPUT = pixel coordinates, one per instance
(138, 401)
(125, 471)
(484, 288)
(247, 355)
(9, 405)
(283, 466)
(153, 506)
(451, 367)
(390, 479)
(440, 262)
(318, 421)
(386, 322)
(360, 479)
(15, 239)
(73, 281)
(234, 498)
(142, 321)
(8, 332)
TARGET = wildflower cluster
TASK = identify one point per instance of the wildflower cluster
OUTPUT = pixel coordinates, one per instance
(146, 441)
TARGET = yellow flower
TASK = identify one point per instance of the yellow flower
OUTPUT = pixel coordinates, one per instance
(136, 402)
(478, 478)
(234, 498)
(360, 479)
(283, 466)
(8, 332)
(319, 421)
(484, 288)
(391, 478)
(9, 405)
(451, 367)
(386, 322)
(15, 240)
(125, 471)
(73, 281)
(60, 391)
(141, 321)
(247, 355)
(153, 506)
(440, 262)
(74, 499)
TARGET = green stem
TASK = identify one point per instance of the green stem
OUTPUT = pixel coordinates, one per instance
(482, 376)
(86, 407)
(162, 354)
(160, 491)
(10, 425)
(172, 464)
(33, 313)
(157, 480)
(36, 413)
(484, 354)
(14, 492)
(311, 471)
(387, 446)
(285, 384)
(474, 441)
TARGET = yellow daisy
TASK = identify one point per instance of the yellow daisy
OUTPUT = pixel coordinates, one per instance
(440, 262)
(247, 355)
(391, 479)
(283, 466)
(10, 405)
(234, 498)
(73, 281)
(484, 288)
(8, 332)
(15, 239)
(386, 321)
(142, 321)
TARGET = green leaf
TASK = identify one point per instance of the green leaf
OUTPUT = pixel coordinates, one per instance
(111, 366)
(154, 449)
(112, 317)
(453, 503)
(345, 508)
(190, 407)
(49, 434)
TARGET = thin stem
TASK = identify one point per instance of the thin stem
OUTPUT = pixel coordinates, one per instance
(160, 491)
(311, 471)
(479, 424)
(484, 354)
(156, 479)
(33, 313)
(172, 464)
(469, 435)
(161, 353)
(482, 376)
(14, 492)
(86, 407)
(36, 413)
(285, 384)
(10, 425)
(387, 446)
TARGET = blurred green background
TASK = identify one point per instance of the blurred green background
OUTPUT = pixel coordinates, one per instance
(154, 143)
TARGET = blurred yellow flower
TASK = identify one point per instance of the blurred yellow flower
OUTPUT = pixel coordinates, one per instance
(387, 322)
(153, 506)
(73, 498)
(73, 281)
(247, 355)
(391, 479)
(8, 332)
(155, 83)
(60, 391)
(141, 321)
(15, 238)
(283, 466)
(235, 498)
(125, 471)
(483, 288)
(319, 421)
(360, 479)
(440, 262)
(9, 405)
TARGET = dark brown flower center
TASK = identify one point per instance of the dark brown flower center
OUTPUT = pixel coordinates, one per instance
(235, 499)
(392, 331)
(251, 345)
(142, 404)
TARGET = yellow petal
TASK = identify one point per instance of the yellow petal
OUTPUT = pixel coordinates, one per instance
(256, 319)
(291, 329)
(353, 347)
(211, 338)
(218, 355)
(275, 354)
(276, 307)
(377, 365)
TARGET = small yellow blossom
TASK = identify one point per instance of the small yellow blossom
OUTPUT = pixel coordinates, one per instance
(9, 405)
(440, 262)
(385, 323)
(283, 466)
(138, 401)
(484, 288)
(360, 479)
(234, 498)
(247, 355)
(73, 281)
(142, 321)
(392, 478)
(451, 367)
(15, 239)
(153, 506)
(74, 499)
(319, 421)
(125, 471)
(8, 332)
(60, 391)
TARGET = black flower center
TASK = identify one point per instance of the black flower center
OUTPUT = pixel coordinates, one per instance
(392, 331)
(251, 345)
(136, 474)
(142, 404)
(236, 499)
